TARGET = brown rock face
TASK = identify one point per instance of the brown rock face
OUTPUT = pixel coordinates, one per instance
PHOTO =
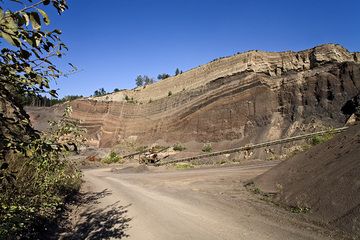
(249, 97)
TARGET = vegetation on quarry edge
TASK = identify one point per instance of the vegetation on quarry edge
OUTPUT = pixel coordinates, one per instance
(35, 177)
(36, 184)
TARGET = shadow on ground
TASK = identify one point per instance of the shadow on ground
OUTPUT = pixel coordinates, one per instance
(93, 223)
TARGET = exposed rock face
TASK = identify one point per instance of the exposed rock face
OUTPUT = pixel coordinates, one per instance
(249, 97)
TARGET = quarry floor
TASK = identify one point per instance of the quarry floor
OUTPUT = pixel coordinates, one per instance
(163, 204)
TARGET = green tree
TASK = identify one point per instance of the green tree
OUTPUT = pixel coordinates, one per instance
(99, 92)
(163, 76)
(177, 71)
(139, 81)
(143, 80)
(148, 80)
(116, 90)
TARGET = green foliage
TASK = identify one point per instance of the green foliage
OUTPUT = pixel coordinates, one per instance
(116, 90)
(99, 92)
(130, 100)
(169, 93)
(182, 166)
(318, 139)
(139, 81)
(35, 178)
(207, 147)
(113, 157)
(298, 209)
(44, 101)
(177, 71)
(25, 67)
(163, 76)
(178, 147)
(143, 80)
(43, 179)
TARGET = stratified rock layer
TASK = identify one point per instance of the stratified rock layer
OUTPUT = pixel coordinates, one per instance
(248, 97)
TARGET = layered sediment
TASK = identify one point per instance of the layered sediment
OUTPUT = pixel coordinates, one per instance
(246, 98)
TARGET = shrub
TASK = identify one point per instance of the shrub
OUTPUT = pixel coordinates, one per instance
(318, 139)
(182, 166)
(222, 161)
(178, 147)
(113, 157)
(38, 181)
(298, 209)
(207, 147)
(169, 93)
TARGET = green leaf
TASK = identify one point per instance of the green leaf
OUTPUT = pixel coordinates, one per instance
(26, 18)
(58, 31)
(53, 93)
(35, 20)
(10, 22)
(45, 16)
(28, 70)
(10, 39)
(72, 65)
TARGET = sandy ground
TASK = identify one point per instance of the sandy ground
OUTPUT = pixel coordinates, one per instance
(196, 204)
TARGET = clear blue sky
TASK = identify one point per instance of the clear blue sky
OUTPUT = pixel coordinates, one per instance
(113, 41)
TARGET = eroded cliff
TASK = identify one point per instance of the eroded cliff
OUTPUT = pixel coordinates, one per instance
(246, 98)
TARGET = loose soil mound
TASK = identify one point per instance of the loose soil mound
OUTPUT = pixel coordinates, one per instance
(138, 169)
(325, 179)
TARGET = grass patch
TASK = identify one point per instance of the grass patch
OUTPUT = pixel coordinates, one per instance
(318, 139)
(113, 157)
(178, 147)
(182, 166)
(297, 209)
(207, 147)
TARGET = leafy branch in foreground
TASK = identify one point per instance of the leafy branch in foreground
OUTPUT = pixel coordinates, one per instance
(25, 68)
(35, 178)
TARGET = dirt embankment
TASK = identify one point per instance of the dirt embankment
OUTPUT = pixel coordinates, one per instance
(325, 179)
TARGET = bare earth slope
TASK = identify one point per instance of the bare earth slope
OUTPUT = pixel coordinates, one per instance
(325, 179)
(249, 97)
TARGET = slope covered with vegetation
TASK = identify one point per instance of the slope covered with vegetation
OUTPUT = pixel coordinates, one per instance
(35, 178)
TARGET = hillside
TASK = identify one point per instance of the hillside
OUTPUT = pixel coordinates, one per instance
(324, 179)
(246, 98)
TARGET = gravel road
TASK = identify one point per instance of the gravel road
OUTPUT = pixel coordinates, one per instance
(199, 204)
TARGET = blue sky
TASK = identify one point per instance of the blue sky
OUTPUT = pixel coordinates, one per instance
(113, 41)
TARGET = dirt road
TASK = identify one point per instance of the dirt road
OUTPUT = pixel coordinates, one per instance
(183, 204)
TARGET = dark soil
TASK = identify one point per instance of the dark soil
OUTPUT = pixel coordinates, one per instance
(325, 181)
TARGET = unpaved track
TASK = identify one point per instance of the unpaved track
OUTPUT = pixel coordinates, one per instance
(195, 204)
